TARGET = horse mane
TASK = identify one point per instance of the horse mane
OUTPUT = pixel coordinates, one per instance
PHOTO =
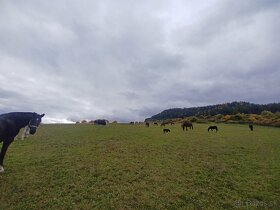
(17, 114)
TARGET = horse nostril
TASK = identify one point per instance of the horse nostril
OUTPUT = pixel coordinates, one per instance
(32, 132)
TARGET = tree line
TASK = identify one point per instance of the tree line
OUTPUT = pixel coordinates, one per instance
(232, 108)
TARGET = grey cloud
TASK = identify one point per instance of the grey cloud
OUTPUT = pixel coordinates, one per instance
(225, 17)
(128, 60)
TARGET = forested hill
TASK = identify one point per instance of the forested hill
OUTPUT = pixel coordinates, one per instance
(224, 109)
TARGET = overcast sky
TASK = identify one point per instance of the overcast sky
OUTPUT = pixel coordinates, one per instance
(127, 60)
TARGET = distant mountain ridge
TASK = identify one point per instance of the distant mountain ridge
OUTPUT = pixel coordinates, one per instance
(211, 110)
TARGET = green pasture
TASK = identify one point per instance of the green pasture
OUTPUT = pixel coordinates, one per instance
(134, 167)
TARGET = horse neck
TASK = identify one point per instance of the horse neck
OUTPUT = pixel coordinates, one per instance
(22, 120)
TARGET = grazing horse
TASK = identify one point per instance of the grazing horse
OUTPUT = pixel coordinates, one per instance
(163, 123)
(166, 130)
(10, 125)
(213, 128)
(187, 124)
(147, 124)
(251, 127)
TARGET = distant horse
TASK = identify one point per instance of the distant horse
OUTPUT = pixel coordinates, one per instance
(251, 127)
(213, 128)
(10, 125)
(163, 123)
(101, 122)
(155, 123)
(187, 124)
(166, 130)
(147, 124)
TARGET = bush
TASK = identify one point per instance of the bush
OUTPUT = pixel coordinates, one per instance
(193, 119)
(252, 118)
(267, 113)
(277, 114)
(226, 118)
(237, 117)
(202, 121)
(219, 116)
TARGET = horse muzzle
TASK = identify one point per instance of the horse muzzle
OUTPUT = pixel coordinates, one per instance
(32, 131)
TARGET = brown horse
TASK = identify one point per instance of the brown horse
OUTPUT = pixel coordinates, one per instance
(163, 123)
(187, 124)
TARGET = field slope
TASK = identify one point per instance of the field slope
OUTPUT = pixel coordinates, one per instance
(134, 167)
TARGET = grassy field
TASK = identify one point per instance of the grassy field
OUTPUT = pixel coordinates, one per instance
(134, 167)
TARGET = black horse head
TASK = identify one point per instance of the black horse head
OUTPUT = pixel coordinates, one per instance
(35, 122)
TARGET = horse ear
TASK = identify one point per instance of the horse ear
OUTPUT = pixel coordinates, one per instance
(42, 115)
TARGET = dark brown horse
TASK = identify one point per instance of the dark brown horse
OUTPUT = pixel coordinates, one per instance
(163, 123)
(187, 124)
(166, 122)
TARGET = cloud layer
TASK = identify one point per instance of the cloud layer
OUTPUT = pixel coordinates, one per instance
(125, 60)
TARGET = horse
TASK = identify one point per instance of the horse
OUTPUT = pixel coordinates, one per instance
(10, 125)
(147, 124)
(213, 128)
(166, 130)
(164, 123)
(155, 123)
(101, 122)
(187, 124)
(25, 132)
(251, 127)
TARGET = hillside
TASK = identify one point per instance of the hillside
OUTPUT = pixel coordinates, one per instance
(224, 109)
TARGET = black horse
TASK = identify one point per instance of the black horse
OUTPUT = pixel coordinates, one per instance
(166, 130)
(101, 122)
(251, 127)
(10, 125)
(187, 124)
(147, 124)
(213, 127)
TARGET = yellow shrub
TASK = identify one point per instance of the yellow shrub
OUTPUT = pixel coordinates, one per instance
(226, 117)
